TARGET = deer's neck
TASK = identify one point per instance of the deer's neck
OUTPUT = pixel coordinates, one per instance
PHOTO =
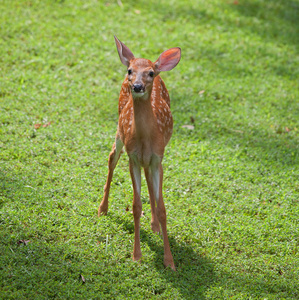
(143, 117)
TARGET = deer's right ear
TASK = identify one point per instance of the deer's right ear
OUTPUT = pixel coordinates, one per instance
(124, 52)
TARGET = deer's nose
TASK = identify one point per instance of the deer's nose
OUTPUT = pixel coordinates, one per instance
(137, 87)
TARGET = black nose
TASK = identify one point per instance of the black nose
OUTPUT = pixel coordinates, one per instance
(137, 87)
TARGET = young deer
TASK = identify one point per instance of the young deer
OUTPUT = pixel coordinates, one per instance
(144, 128)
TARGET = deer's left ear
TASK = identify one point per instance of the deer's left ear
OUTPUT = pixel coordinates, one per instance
(168, 59)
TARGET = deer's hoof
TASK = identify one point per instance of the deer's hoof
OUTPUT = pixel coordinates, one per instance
(137, 258)
(155, 227)
(169, 263)
(102, 211)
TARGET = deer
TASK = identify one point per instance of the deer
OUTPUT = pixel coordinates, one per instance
(145, 127)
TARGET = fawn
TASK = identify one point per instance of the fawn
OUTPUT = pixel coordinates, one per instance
(144, 128)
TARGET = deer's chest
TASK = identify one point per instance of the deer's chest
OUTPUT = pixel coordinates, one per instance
(143, 151)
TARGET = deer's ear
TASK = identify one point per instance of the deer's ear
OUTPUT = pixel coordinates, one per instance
(124, 52)
(168, 59)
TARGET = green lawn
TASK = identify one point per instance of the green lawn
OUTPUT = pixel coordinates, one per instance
(231, 184)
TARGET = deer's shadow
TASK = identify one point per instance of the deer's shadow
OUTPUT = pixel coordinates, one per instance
(195, 272)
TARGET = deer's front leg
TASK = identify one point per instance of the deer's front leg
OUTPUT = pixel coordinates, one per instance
(137, 205)
(149, 179)
(113, 159)
(157, 173)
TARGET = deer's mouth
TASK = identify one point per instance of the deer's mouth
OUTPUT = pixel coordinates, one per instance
(138, 94)
(139, 91)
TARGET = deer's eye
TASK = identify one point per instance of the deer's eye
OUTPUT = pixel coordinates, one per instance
(151, 73)
(129, 72)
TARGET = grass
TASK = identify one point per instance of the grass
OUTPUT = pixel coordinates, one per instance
(231, 184)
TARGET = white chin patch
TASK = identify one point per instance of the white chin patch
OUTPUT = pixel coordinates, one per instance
(138, 95)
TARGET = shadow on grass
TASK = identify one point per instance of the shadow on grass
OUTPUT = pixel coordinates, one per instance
(197, 277)
(44, 268)
(195, 272)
